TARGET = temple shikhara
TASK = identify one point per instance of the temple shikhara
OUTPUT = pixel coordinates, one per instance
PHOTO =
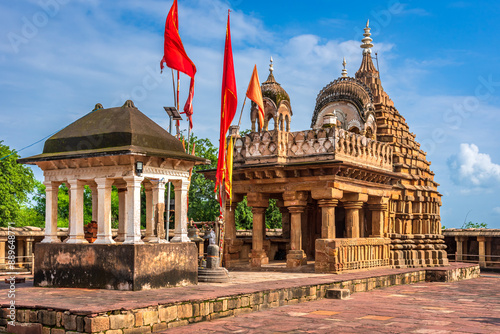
(355, 189)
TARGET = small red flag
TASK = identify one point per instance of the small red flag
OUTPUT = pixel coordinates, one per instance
(229, 101)
(176, 58)
(254, 93)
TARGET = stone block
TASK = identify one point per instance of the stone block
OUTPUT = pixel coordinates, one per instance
(33, 315)
(111, 331)
(157, 327)
(96, 324)
(138, 318)
(204, 309)
(47, 318)
(120, 321)
(218, 306)
(25, 328)
(168, 314)
(178, 323)
(233, 303)
(46, 330)
(245, 301)
(239, 311)
(137, 330)
(80, 323)
(57, 331)
(58, 319)
(151, 317)
(184, 311)
(116, 266)
(68, 321)
(338, 293)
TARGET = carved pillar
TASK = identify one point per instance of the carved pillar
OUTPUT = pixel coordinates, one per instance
(76, 234)
(122, 214)
(104, 235)
(482, 251)
(51, 192)
(181, 191)
(95, 202)
(461, 247)
(259, 255)
(328, 217)
(378, 207)
(230, 224)
(133, 209)
(20, 252)
(352, 218)
(296, 203)
(159, 210)
(285, 222)
(150, 224)
(2, 252)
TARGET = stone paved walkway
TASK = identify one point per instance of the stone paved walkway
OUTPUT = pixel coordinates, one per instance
(470, 306)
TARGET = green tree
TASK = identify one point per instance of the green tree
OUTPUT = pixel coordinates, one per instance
(273, 215)
(243, 215)
(202, 203)
(16, 182)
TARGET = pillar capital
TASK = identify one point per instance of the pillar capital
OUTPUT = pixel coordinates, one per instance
(103, 182)
(258, 210)
(355, 197)
(296, 209)
(326, 193)
(353, 205)
(295, 198)
(378, 207)
(328, 203)
(258, 200)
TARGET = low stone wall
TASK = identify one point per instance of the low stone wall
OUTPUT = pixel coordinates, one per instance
(161, 317)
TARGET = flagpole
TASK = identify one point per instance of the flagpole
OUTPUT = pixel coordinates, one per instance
(241, 113)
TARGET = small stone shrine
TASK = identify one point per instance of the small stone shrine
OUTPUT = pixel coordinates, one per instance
(118, 147)
(355, 190)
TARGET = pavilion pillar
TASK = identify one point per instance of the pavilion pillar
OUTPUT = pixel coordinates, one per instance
(230, 223)
(2, 252)
(76, 233)
(95, 203)
(482, 251)
(181, 191)
(159, 209)
(104, 235)
(51, 192)
(352, 218)
(150, 224)
(296, 203)
(378, 207)
(122, 214)
(259, 256)
(259, 203)
(133, 209)
(461, 246)
(285, 222)
(328, 217)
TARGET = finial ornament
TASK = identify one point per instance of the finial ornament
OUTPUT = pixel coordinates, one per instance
(271, 65)
(344, 71)
(367, 41)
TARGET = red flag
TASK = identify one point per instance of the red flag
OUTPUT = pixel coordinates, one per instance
(229, 101)
(176, 58)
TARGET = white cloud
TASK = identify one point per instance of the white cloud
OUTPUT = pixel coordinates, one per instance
(471, 168)
(496, 210)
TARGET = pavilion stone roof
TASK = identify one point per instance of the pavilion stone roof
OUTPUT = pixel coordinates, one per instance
(113, 131)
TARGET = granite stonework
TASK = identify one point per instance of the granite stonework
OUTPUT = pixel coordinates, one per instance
(116, 267)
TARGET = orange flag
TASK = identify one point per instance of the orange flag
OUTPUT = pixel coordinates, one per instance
(229, 101)
(254, 93)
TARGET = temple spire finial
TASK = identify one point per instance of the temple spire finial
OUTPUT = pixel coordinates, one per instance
(344, 71)
(367, 41)
(271, 65)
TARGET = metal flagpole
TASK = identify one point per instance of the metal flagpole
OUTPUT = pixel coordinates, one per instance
(241, 113)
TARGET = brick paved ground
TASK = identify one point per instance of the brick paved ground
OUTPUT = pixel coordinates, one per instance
(471, 306)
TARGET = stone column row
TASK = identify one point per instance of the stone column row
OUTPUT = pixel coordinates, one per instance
(129, 211)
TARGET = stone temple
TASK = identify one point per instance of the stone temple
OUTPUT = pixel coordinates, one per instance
(355, 190)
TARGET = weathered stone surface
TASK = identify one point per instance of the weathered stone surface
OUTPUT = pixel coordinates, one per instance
(168, 314)
(121, 321)
(96, 324)
(338, 293)
(151, 317)
(46, 317)
(137, 330)
(68, 321)
(119, 267)
(25, 328)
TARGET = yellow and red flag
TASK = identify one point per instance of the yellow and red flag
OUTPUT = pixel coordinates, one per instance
(175, 57)
(229, 101)
(254, 93)
(229, 169)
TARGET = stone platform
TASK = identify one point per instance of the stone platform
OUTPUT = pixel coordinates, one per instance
(63, 310)
(116, 266)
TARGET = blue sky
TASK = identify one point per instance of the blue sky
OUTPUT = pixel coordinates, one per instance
(438, 62)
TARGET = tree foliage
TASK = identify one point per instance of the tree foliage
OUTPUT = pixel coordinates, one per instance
(16, 182)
